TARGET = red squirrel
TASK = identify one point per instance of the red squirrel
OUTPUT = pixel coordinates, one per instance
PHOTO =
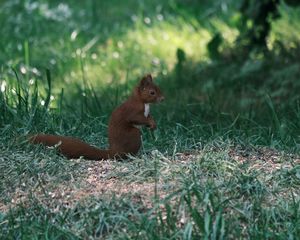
(123, 131)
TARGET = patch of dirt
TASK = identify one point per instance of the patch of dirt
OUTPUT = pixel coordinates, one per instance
(96, 180)
(264, 159)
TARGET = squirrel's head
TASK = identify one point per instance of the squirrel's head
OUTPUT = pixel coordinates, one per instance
(148, 91)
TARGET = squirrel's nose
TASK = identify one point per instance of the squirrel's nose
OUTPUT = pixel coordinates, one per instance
(162, 98)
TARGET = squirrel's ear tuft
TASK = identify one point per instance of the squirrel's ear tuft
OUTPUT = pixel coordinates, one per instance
(146, 80)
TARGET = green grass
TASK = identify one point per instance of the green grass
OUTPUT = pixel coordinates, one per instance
(213, 196)
(224, 161)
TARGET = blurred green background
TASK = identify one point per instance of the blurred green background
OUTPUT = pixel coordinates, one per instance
(223, 65)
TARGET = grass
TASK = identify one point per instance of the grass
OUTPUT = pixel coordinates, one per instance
(224, 197)
(224, 161)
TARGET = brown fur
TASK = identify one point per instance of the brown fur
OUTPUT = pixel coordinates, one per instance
(124, 137)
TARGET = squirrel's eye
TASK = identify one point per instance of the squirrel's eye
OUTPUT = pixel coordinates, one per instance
(152, 93)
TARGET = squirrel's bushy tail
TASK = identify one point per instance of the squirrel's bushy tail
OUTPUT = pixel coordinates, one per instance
(72, 147)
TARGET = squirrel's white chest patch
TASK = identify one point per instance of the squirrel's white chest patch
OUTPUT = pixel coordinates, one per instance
(147, 109)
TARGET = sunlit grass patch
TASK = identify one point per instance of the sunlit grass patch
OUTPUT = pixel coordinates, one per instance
(143, 48)
(286, 28)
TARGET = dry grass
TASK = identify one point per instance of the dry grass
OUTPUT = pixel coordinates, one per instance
(106, 178)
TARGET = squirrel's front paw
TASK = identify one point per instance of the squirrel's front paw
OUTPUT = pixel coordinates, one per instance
(152, 125)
